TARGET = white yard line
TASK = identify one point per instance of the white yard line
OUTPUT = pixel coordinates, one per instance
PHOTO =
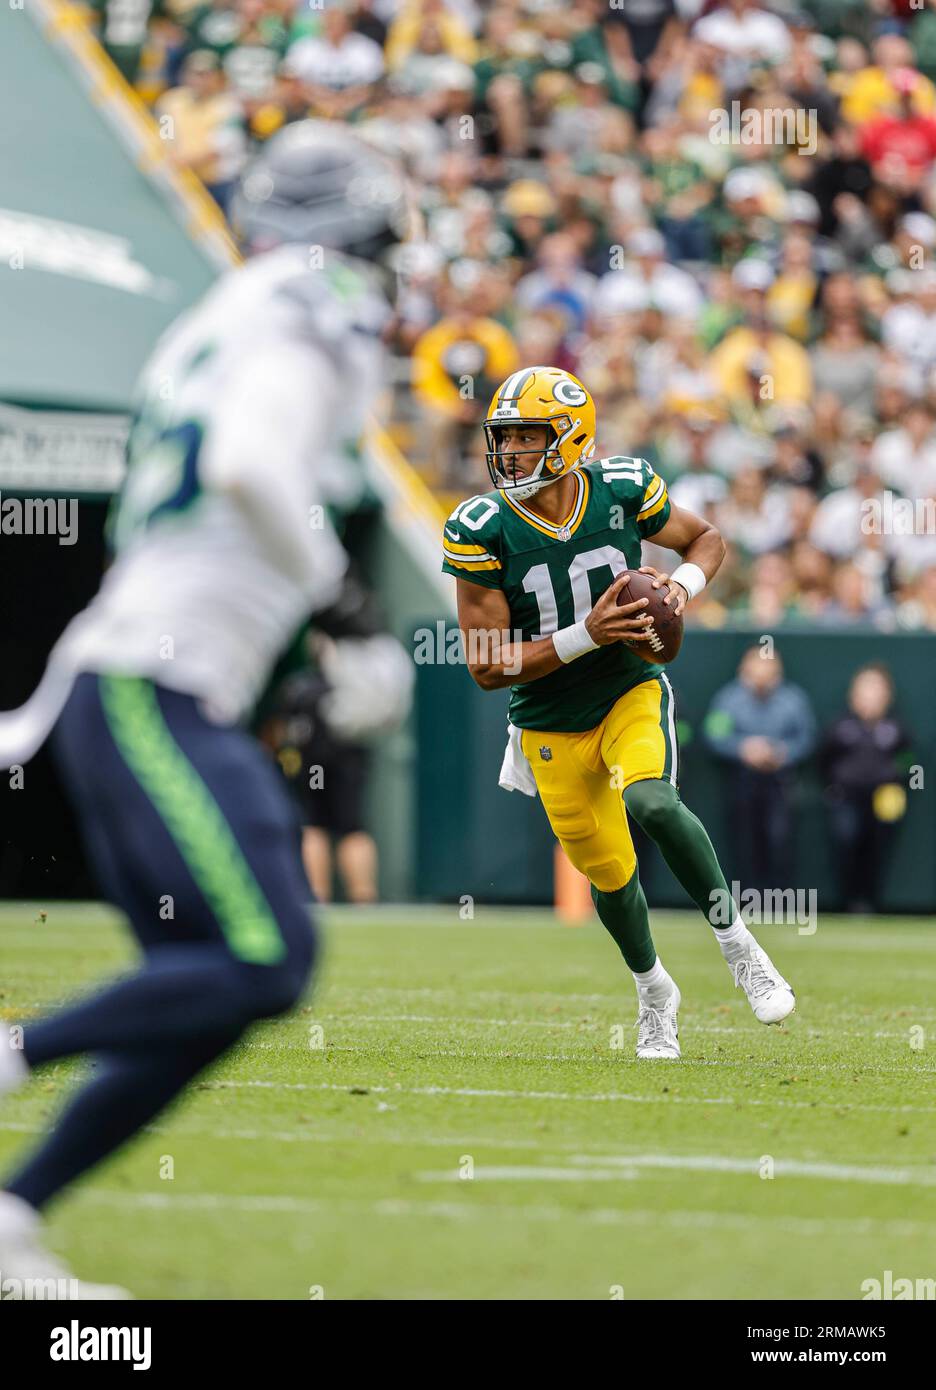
(530, 1172)
(612, 1160)
(627, 1169)
(582, 1025)
(473, 1093)
(472, 1212)
(782, 1167)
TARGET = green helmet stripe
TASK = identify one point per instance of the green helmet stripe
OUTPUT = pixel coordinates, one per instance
(513, 387)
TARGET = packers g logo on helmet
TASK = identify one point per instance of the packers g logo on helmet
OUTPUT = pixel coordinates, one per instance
(540, 396)
(569, 392)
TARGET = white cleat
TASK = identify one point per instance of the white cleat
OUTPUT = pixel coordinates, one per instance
(658, 1030)
(28, 1272)
(768, 993)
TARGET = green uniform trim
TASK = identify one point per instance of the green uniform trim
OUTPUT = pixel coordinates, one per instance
(193, 818)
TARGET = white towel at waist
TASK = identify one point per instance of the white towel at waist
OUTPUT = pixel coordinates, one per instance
(516, 774)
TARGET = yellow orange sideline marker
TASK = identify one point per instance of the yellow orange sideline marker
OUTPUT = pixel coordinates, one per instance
(571, 892)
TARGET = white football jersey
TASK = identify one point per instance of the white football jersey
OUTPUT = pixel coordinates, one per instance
(223, 548)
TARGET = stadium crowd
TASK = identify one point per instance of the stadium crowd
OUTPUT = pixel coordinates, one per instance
(720, 214)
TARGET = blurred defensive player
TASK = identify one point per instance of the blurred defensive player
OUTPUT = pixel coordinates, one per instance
(222, 552)
(540, 561)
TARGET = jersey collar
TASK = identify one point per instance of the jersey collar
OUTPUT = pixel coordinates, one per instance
(564, 530)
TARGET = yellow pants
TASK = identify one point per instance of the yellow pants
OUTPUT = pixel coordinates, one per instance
(582, 777)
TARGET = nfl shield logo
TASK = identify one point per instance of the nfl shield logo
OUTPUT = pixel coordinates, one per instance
(545, 753)
(565, 534)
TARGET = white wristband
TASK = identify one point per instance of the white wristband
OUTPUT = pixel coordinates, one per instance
(690, 577)
(573, 641)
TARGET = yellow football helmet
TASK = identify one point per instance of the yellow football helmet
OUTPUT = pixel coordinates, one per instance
(540, 396)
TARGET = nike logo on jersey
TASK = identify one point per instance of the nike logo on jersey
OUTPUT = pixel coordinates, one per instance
(452, 535)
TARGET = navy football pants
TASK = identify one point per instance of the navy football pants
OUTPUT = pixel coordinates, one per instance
(195, 838)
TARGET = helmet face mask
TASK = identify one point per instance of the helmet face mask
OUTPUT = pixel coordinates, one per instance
(543, 397)
(547, 468)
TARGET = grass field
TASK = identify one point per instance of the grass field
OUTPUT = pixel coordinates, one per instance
(445, 1044)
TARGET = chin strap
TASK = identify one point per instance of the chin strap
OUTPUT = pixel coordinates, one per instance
(538, 483)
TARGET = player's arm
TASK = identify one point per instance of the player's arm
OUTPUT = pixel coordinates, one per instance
(702, 550)
(266, 450)
(497, 659)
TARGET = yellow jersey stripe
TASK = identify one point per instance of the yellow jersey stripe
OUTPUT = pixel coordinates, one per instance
(467, 559)
(656, 492)
(652, 511)
(474, 564)
(468, 549)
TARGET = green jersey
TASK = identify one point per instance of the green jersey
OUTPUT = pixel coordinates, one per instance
(552, 575)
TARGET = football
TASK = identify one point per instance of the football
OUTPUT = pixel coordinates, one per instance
(667, 629)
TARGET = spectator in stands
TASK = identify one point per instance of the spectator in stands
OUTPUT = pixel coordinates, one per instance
(905, 457)
(457, 365)
(791, 300)
(745, 35)
(908, 327)
(754, 363)
(795, 464)
(845, 361)
(790, 297)
(677, 192)
(455, 37)
(917, 607)
(699, 488)
(529, 212)
(763, 727)
(837, 525)
(900, 145)
(606, 45)
(401, 125)
(559, 282)
(339, 66)
(250, 66)
(582, 122)
(288, 102)
(754, 517)
(123, 31)
(875, 89)
(854, 601)
(646, 277)
(770, 596)
(840, 180)
(864, 758)
(650, 25)
(203, 126)
(812, 578)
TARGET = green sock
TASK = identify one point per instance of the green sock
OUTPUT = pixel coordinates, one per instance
(624, 914)
(684, 843)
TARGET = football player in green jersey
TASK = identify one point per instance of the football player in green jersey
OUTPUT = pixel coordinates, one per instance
(539, 562)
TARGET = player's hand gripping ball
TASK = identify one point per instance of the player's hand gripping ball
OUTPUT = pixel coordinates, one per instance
(665, 630)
